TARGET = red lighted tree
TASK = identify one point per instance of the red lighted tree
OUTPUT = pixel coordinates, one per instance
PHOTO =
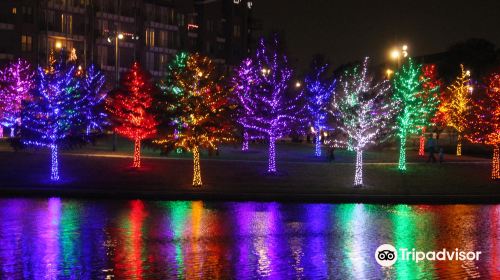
(129, 109)
(430, 100)
(483, 124)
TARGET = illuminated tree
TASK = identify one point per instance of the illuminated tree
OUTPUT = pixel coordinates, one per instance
(129, 109)
(318, 92)
(363, 112)
(243, 82)
(274, 110)
(430, 97)
(456, 108)
(408, 92)
(17, 79)
(483, 122)
(201, 106)
(53, 112)
(92, 84)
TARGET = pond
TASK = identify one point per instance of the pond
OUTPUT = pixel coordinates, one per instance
(58, 238)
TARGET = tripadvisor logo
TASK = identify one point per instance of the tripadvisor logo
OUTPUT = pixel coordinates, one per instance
(387, 255)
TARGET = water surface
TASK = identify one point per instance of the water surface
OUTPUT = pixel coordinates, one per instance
(76, 239)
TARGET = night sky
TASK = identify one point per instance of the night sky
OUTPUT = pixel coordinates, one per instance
(348, 30)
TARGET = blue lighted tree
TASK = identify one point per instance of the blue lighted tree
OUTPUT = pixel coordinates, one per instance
(94, 97)
(54, 112)
(271, 109)
(318, 91)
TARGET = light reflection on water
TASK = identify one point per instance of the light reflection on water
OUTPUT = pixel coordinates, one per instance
(74, 239)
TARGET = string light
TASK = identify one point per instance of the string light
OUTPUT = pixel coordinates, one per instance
(408, 92)
(266, 109)
(421, 149)
(129, 108)
(16, 79)
(92, 84)
(430, 97)
(318, 92)
(53, 112)
(193, 95)
(196, 168)
(363, 112)
(460, 93)
(243, 82)
(483, 122)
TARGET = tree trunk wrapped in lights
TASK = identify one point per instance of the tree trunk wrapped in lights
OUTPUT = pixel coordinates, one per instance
(54, 111)
(421, 148)
(414, 108)
(363, 111)
(192, 95)
(318, 91)
(457, 106)
(266, 106)
(129, 107)
(483, 121)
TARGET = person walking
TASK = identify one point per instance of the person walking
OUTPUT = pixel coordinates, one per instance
(431, 147)
(441, 155)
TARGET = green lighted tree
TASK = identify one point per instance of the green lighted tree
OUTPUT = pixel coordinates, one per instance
(409, 93)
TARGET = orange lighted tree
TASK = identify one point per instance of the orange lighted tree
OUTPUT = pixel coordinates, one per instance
(458, 105)
(129, 109)
(484, 121)
(199, 104)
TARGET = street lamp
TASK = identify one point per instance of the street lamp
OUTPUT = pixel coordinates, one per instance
(116, 37)
(399, 52)
(389, 73)
(298, 84)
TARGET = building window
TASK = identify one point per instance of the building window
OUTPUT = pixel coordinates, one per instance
(163, 62)
(150, 61)
(27, 14)
(26, 43)
(150, 37)
(237, 31)
(171, 16)
(210, 25)
(14, 10)
(163, 40)
(102, 25)
(181, 19)
(66, 23)
(102, 55)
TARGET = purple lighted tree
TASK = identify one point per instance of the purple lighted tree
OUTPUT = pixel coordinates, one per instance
(318, 91)
(16, 80)
(243, 82)
(268, 108)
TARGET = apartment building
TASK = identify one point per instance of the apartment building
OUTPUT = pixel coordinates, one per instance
(148, 31)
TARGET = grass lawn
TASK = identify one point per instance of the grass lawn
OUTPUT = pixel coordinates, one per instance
(95, 169)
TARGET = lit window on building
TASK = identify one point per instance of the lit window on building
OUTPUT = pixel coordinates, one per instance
(66, 23)
(14, 10)
(150, 37)
(26, 43)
